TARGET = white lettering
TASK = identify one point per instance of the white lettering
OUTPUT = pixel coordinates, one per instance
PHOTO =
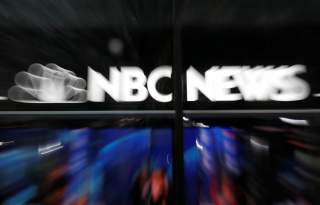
(158, 73)
(254, 83)
(98, 85)
(196, 82)
(221, 82)
(225, 83)
(133, 83)
(288, 87)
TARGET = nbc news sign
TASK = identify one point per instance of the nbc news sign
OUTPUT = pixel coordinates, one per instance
(52, 84)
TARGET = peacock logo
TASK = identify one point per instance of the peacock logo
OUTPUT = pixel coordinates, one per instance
(48, 84)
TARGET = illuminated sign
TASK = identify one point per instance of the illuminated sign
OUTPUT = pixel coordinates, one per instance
(122, 84)
(260, 83)
(48, 84)
(53, 84)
